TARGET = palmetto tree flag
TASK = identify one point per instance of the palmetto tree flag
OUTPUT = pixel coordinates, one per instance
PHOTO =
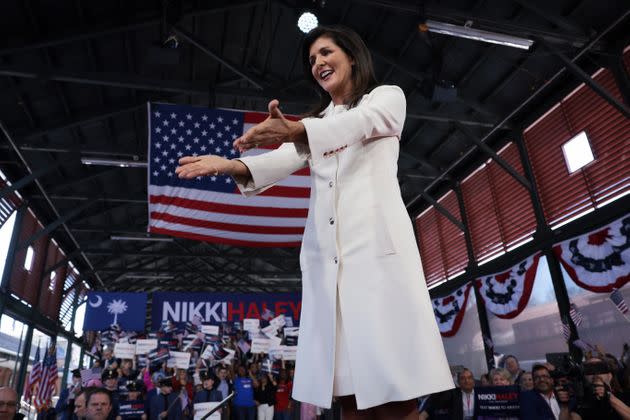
(104, 309)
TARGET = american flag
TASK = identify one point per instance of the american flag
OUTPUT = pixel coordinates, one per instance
(211, 208)
(576, 315)
(566, 330)
(619, 302)
(48, 380)
(34, 377)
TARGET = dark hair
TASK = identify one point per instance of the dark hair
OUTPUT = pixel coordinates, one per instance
(459, 374)
(505, 358)
(95, 391)
(351, 43)
(538, 366)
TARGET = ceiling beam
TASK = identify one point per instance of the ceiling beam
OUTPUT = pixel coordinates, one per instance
(95, 31)
(549, 82)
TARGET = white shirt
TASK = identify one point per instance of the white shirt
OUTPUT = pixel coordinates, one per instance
(553, 404)
(468, 403)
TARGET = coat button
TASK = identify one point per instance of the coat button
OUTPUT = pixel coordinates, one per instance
(335, 260)
(330, 184)
(331, 221)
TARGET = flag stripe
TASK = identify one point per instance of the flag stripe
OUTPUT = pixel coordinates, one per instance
(221, 239)
(222, 218)
(226, 208)
(232, 227)
(229, 198)
(279, 191)
(218, 233)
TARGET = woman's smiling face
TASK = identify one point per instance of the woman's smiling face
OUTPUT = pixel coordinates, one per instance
(332, 68)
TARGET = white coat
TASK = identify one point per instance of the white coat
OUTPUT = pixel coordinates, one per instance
(359, 238)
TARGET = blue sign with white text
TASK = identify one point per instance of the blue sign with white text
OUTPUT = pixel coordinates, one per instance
(217, 308)
(104, 309)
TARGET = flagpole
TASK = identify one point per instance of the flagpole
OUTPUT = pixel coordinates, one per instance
(219, 406)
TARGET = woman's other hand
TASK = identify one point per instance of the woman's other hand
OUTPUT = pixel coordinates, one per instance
(275, 129)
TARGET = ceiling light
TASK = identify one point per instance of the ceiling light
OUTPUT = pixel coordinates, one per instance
(307, 22)
(113, 162)
(476, 34)
(140, 238)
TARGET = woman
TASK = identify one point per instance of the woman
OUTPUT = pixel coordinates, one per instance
(265, 397)
(526, 381)
(501, 377)
(366, 315)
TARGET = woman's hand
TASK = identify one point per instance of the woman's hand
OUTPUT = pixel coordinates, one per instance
(275, 129)
(194, 166)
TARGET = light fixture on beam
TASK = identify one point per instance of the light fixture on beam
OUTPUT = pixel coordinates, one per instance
(149, 276)
(113, 162)
(476, 34)
(140, 238)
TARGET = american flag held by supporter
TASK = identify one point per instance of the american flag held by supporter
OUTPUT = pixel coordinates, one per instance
(576, 315)
(211, 208)
(34, 377)
(619, 302)
(49, 376)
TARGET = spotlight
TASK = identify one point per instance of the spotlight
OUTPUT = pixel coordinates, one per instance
(307, 22)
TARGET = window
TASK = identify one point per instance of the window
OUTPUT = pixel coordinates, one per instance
(28, 261)
(535, 331)
(577, 152)
(466, 347)
(6, 231)
(13, 334)
(52, 282)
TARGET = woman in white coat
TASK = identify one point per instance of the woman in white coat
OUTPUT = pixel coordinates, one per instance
(367, 329)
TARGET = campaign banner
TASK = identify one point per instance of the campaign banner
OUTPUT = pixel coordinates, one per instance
(497, 401)
(218, 308)
(126, 310)
(131, 409)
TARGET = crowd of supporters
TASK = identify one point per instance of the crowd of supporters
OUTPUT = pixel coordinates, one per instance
(598, 388)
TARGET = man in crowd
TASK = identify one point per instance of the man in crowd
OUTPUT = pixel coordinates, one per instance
(80, 407)
(109, 377)
(166, 404)
(65, 405)
(208, 393)
(510, 362)
(9, 404)
(456, 404)
(99, 405)
(541, 403)
(244, 404)
(133, 407)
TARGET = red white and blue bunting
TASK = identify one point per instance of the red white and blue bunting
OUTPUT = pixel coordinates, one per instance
(506, 294)
(449, 310)
(598, 261)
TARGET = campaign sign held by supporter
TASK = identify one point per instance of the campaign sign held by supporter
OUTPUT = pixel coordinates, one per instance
(104, 309)
(497, 401)
(131, 409)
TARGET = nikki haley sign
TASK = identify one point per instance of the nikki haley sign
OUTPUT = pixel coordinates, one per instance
(215, 308)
